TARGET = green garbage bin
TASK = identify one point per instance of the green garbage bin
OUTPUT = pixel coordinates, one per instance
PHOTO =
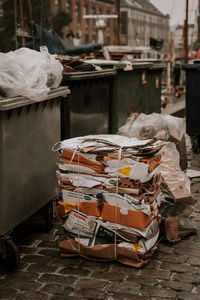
(87, 109)
(152, 99)
(28, 129)
(136, 88)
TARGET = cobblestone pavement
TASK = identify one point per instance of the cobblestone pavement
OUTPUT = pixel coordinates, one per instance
(172, 273)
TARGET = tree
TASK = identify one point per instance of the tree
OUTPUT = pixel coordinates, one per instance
(39, 12)
(60, 20)
(7, 26)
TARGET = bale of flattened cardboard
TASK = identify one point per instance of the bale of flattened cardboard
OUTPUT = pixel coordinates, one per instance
(101, 246)
(109, 194)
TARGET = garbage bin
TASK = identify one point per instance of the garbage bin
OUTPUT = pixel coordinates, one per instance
(87, 109)
(28, 129)
(137, 90)
(192, 103)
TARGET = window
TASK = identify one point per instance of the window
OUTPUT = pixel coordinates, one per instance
(107, 20)
(77, 12)
(107, 40)
(123, 25)
(85, 12)
(1, 9)
(68, 6)
(86, 38)
(94, 38)
(56, 4)
(94, 13)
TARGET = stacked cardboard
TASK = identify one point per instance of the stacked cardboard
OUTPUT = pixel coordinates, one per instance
(109, 191)
(176, 204)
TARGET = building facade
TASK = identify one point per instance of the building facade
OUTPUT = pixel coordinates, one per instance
(178, 39)
(140, 21)
(85, 30)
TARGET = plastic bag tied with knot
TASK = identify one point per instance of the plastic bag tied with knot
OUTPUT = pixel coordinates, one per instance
(29, 73)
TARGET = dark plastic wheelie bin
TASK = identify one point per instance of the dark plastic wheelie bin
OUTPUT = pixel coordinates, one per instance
(192, 103)
(28, 129)
(137, 90)
(87, 109)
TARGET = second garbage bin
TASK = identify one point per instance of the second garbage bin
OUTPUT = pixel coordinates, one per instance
(87, 108)
(136, 88)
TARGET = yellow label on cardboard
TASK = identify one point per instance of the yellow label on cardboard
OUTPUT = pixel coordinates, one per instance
(125, 171)
(137, 247)
(69, 206)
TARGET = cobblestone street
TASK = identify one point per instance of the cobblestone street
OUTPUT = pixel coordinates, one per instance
(172, 273)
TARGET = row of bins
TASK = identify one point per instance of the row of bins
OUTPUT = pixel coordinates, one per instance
(95, 102)
(101, 101)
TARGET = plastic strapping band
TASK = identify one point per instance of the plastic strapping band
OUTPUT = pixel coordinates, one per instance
(74, 153)
(56, 147)
(79, 250)
(116, 200)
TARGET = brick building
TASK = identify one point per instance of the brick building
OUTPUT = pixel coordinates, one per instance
(139, 20)
(83, 28)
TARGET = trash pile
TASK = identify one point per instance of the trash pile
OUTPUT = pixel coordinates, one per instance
(176, 204)
(109, 196)
(29, 73)
(77, 65)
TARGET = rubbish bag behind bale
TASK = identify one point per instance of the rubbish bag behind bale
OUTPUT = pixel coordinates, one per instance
(159, 126)
(176, 180)
(29, 73)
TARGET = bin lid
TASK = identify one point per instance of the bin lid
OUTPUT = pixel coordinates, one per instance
(119, 65)
(157, 66)
(88, 74)
(102, 62)
(140, 65)
(195, 66)
(19, 101)
(152, 60)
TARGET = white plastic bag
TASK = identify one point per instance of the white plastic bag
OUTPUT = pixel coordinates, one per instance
(29, 73)
(160, 126)
(177, 181)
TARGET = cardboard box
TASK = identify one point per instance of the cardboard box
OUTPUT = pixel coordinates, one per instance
(65, 208)
(90, 208)
(75, 197)
(126, 217)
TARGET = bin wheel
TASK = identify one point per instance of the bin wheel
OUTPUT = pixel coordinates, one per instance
(10, 257)
(48, 216)
(195, 144)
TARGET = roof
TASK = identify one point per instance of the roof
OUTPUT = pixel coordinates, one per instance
(142, 5)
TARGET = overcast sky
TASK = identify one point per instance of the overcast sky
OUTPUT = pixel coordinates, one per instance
(176, 10)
